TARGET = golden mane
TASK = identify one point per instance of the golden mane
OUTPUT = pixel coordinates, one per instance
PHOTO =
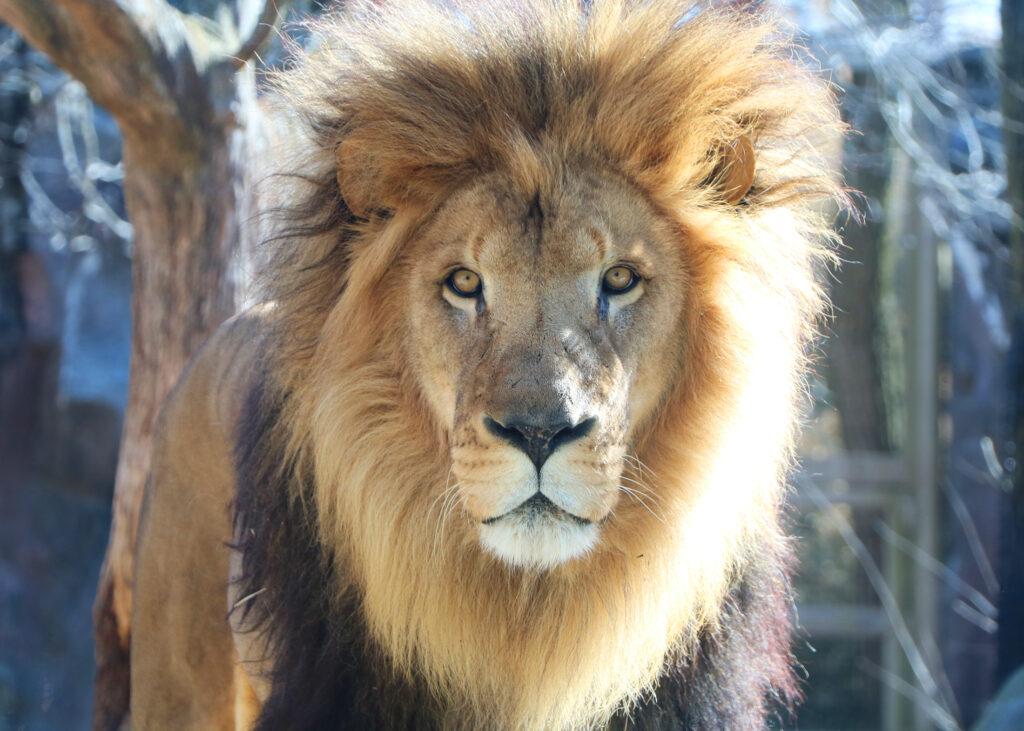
(656, 90)
(405, 102)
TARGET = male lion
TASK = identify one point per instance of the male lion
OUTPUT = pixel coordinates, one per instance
(506, 446)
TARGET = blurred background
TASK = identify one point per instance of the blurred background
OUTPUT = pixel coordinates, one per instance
(908, 502)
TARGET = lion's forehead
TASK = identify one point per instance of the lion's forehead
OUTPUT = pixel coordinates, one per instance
(537, 238)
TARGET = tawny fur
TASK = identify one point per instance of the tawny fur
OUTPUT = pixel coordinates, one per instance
(406, 104)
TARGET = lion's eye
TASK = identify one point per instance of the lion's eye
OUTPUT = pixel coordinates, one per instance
(618, 280)
(464, 283)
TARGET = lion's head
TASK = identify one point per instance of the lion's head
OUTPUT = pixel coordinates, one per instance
(544, 326)
(541, 322)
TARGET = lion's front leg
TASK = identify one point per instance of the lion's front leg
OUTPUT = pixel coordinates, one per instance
(185, 672)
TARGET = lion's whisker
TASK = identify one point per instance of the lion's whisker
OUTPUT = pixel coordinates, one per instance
(641, 467)
(450, 495)
(444, 498)
(447, 488)
(641, 487)
(636, 495)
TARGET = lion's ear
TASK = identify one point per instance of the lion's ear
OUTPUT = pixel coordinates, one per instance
(358, 179)
(734, 173)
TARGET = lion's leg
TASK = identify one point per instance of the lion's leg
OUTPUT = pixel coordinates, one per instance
(183, 660)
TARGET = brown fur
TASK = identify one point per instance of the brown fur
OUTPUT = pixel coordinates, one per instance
(357, 564)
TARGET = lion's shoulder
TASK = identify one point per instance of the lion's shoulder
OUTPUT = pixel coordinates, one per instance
(210, 392)
(185, 531)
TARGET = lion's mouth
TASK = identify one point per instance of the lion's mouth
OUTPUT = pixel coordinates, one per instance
(538, 534)
(537, 508)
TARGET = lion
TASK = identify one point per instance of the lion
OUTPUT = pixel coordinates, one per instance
(505, 445)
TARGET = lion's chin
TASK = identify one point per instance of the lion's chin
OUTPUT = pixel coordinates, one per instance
(533, 538)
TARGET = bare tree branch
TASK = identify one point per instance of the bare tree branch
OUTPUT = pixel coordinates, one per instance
(272, 11)
(100, 43)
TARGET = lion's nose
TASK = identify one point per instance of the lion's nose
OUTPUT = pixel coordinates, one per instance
(538, 440)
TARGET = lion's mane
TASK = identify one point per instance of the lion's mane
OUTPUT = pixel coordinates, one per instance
(377, 610)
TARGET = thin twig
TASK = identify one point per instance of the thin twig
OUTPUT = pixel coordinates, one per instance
(889, 604)
(271, 13)
(981, 603)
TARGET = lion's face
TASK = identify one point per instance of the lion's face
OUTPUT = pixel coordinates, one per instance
(546, 329)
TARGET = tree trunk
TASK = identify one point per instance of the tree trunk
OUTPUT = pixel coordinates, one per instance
(185, 228)
(854, 372)
(183, 100)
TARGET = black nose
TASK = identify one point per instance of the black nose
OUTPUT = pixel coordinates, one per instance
(538, 440)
